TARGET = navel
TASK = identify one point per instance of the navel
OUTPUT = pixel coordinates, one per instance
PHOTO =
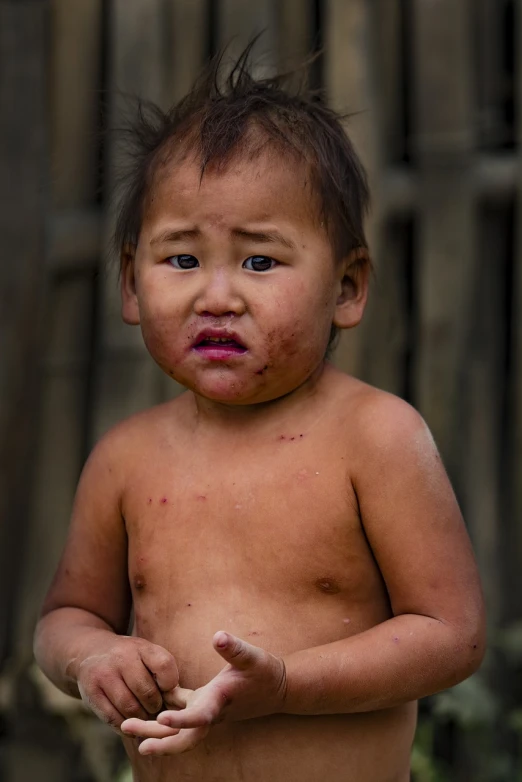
(328, 585)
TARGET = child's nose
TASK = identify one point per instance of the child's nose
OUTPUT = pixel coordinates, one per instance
(218, 295)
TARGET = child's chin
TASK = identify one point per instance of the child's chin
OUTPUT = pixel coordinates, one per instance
(226, 395)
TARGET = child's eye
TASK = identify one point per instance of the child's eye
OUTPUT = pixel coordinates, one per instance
(259, 263)
(183, 261)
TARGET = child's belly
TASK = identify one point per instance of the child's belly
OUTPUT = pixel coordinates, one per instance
(371, 747)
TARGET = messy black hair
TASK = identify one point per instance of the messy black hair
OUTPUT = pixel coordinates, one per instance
(230, 114)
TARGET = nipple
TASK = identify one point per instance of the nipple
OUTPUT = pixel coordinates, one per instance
(328, 585)
(139, 583)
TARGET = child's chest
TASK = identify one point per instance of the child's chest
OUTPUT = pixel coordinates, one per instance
(282, 519)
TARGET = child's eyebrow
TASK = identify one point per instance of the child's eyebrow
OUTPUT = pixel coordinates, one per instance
(260, 237)
(172, 235)
(264, 237)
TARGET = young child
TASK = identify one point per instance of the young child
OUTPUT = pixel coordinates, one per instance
(286, 535)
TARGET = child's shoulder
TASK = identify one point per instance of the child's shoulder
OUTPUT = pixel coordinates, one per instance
(379, 418)
(140, 431)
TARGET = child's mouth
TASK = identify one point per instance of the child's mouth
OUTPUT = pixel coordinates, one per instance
(219, 348)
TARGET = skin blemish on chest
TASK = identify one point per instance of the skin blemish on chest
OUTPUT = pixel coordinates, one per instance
(163, 500)
(328, 585)
(201, 497)
(139, 583)
(149, 501)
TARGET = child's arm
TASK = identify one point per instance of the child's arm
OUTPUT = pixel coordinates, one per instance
(78, 641)
(436, 636)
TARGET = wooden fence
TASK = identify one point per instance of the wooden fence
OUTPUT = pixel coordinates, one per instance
(437, 87)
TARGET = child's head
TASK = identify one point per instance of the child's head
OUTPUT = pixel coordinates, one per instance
(244, 211)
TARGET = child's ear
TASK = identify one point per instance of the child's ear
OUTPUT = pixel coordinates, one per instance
(353, 288)
(130, 311)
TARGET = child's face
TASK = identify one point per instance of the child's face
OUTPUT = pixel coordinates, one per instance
(238, 256)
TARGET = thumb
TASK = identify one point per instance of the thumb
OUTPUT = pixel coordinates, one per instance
(235, 651)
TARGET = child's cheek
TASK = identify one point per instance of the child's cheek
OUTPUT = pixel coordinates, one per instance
(164, 346)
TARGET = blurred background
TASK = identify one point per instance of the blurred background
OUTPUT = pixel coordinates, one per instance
(436, 91)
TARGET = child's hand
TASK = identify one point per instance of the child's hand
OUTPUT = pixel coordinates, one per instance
(252, 685)
(130, 678)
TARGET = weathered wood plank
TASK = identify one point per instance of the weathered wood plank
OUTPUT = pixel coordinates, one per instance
(74, 95)
(75, 79)
(362, 46)
(60, 445)
(382, 361)
(294, 31)
(75, 98)
(238, 22)
(442, 143)
(491, 82)
(485, 385)
(350, 89)
(514, 594)
(187, 22)
(128, 379)
(24, 185)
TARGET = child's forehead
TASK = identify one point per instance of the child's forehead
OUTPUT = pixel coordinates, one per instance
(268, 183)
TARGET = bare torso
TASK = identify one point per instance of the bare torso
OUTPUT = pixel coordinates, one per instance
(263, 540)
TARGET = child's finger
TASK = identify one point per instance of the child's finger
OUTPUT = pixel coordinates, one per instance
(162, 665)
(177, 698)
(197, 715)
(175, 745)
(237, 652)
(104, 709)
(148, 729)
(144, 687)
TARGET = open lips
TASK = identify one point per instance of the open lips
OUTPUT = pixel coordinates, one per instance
(218, 345)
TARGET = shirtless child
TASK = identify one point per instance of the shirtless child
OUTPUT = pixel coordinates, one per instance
(286, 535)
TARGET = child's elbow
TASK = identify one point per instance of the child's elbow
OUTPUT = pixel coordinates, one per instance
(471, 647)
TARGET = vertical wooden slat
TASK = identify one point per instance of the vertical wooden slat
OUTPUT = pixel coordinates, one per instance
(384, 339)
(491, 81)
(238, 22)
(514, 594)
(442, 142)
(75, 100)
(362, 71)
(445, 271)
(75, 65)
(350, 89)
(24, 196)
(24, 186)
(127, 378)
(485, 392)
(294, 30)
(60, 444)
(186, 53)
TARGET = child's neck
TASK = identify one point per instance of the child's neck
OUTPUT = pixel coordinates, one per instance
(264, 415)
